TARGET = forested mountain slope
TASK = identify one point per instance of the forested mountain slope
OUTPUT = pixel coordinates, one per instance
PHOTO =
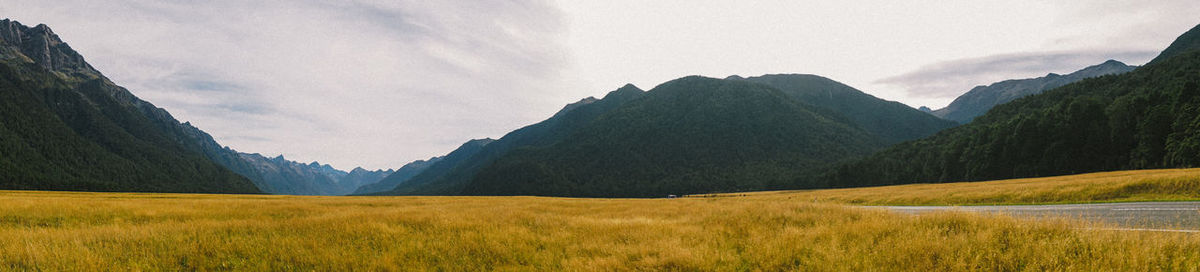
(688, 135)
(64, 126)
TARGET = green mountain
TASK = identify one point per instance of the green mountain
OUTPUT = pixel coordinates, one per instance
(406, 184)
(1187, 42)
(1146, 118)
(892, 121)
(690, 135)
(884, 122)
(450, 176)
(982, 98)
(64, 126)
(405, 173)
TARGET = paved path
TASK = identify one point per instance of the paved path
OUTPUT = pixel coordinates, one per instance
(1144, 216)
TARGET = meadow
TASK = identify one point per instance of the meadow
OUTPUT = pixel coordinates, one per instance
(1117, 186)
(75, 231)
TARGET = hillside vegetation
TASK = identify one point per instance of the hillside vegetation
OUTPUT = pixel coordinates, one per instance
(1119, 186)
(127, 231)
(448, 177)
(689, 135)
(64, 126)
(890, 121)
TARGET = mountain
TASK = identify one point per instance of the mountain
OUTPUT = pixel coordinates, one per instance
(689, 135)
(281, 176)
(450, 176)
(1146, 118)
(423, 181)
(892, 121)
(403, 174)
(982, 98)
(1184, 43)
(64, 126)
(359, 177)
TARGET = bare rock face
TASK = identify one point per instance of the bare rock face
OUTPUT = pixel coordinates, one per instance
(41, 46)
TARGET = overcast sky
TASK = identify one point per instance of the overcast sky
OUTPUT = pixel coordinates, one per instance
(381, 83)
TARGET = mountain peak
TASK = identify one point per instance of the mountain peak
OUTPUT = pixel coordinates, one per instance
(628, 89)
(480, 142)
(1108, 67)
(41, 46)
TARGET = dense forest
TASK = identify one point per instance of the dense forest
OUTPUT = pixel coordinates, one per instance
(450, 176)
(689, 135)
(891, 121)
(61, 135)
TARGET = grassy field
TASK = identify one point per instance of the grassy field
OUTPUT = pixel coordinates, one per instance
(1119, 186)
(122, 231)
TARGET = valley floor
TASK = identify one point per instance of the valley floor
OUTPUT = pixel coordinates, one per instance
(1130, 216)
(1117, 186)
(762, 231)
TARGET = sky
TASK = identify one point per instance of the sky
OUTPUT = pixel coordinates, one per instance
(378, 84)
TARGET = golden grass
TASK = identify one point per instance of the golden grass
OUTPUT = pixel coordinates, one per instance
(122, 231)
(1120, 186)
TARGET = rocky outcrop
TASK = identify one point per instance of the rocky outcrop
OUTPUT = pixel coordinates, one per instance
(40, 45)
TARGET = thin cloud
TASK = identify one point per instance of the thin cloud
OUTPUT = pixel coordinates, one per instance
(953, 78)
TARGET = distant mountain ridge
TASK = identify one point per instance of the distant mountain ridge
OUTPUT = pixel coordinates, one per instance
(424, 179)
(388, 182)
(278, 175)
(980, 99)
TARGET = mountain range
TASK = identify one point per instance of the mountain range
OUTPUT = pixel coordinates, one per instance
(693, 134)
(64, 126)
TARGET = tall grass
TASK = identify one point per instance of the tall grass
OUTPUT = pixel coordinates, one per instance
(123, 231)
(1120, 186)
